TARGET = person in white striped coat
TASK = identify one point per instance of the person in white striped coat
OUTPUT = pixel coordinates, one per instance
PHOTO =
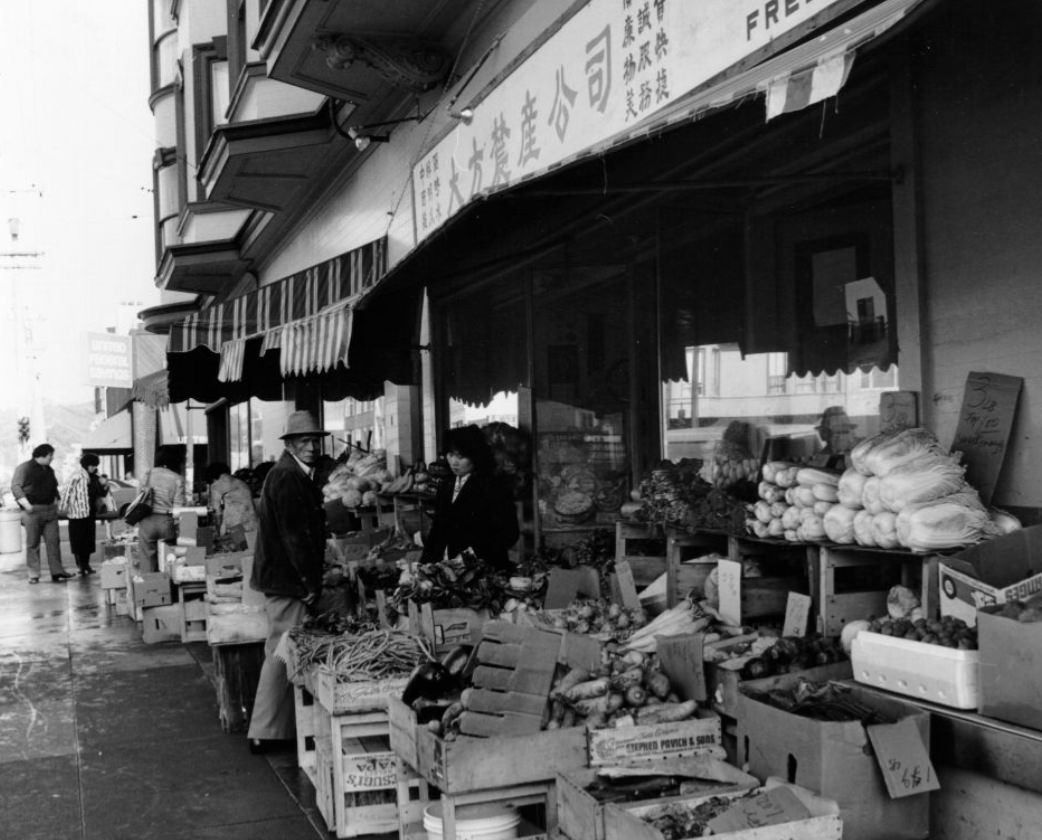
(79, 502)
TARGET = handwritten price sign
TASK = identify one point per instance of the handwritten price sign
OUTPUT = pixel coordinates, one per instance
(988, 406)
(903, 759)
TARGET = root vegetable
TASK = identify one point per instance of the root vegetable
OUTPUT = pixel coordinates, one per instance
(587, 690)
(570, 680)
(593, 706)
(667, 712)
(635, 696)
(630, 677)
(616, 701)
(657, 684)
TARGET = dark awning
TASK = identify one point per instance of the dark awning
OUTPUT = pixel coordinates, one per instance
(306, 324)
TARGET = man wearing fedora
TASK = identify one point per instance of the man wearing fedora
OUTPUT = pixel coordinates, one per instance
(287, 568)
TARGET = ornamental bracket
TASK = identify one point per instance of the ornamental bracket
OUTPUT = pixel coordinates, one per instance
(409, 63)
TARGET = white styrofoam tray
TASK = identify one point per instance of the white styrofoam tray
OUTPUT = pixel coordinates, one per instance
(924, 671)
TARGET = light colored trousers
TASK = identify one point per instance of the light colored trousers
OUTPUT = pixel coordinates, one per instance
(273, 716)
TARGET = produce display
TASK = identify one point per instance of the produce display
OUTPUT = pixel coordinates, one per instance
(767, 656)
(820, 701)
(903, 490)
(599, 618)
(357, 480)
(946, 631)
(680, 820)
(1026, 612)
(732, 463)
(677, 496)
(461, 581)
(628, 687)
(685, 617)
(364, 655)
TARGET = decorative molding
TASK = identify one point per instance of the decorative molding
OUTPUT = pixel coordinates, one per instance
(408, 63)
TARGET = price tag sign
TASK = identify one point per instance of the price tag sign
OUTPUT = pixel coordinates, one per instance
(797, 615)
(988, 406)
(729, 584)
(681, 658)
(773, 807)
(627, 586)
(903, 758)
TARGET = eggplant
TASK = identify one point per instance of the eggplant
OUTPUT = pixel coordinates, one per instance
(455, 660)
(429, 680)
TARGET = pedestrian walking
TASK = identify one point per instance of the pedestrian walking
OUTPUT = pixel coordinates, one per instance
(35, 489)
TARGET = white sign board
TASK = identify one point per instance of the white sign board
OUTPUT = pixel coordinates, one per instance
(610, 66)
(108, 361)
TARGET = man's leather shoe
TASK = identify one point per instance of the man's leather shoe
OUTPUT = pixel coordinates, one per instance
(61, 577)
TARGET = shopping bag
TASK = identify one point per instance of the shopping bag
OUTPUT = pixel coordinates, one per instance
(139, 507)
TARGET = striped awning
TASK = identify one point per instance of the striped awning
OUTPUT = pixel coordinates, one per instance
(307, 315)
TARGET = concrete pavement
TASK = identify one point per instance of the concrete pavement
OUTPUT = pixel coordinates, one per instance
(103, 737)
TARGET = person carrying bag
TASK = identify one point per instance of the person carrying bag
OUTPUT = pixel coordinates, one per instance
(139, 507)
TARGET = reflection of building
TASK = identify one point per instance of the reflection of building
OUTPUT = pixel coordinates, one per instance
(759, 388)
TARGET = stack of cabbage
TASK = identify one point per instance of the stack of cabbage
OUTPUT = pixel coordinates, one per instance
(356, 481)
(902, 490)
(793, 502)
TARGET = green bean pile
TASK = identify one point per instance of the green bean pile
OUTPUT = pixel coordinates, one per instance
(362, 657)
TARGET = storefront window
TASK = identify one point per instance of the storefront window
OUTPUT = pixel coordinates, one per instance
(794, 416)
(581, 391)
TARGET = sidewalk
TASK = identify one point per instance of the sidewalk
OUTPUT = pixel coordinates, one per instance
(103, 737)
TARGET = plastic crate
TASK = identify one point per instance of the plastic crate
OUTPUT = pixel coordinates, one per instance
(924, 671)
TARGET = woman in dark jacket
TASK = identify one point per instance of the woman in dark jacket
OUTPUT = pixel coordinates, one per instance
(474, 510)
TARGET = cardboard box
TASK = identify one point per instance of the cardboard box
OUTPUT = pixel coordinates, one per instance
(992, 572)
(161, 624)
(114, 574)
(150, 589)
(628, 822)
(1010, 669)
(580, 814)
(834, 759)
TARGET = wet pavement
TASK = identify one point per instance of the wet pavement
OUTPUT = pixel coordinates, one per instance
(103, 737)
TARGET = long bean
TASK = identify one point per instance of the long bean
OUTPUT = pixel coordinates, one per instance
(373, 655)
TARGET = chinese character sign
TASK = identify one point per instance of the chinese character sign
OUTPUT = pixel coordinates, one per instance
(612, 65)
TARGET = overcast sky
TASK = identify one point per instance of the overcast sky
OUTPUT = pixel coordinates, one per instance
(76, 141)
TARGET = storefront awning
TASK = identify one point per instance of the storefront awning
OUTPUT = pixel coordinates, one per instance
(304, 325)
(153, 389)
(113, 434)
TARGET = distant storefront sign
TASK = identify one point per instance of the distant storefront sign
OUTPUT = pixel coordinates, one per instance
(608, 68)
(108, 360)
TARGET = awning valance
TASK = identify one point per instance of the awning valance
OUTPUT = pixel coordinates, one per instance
(152, 389)
(310, 308)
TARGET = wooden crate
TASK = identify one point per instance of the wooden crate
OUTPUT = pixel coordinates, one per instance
(305, 711)
(581, 816)
(339, 698)
(659, 740)
(644, 548)
(191, 597)
(683, 573)
(723, 683)
(446, 629)
(824, 823)
(853, 582)
(355, 763)
(470, 764)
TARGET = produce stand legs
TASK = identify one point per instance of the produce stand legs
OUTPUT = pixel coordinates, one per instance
(237, 669)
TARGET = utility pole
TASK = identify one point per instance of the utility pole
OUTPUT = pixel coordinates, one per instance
(31, 423)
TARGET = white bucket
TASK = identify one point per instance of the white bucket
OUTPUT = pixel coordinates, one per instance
(10, 530)
(474, 822)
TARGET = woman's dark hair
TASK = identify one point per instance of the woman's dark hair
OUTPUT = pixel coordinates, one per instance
(470, 442)
(168, 458)
(90, 460)
(215, 470)
(43, 450)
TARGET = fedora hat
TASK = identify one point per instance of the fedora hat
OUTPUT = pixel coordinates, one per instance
(301, 423)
